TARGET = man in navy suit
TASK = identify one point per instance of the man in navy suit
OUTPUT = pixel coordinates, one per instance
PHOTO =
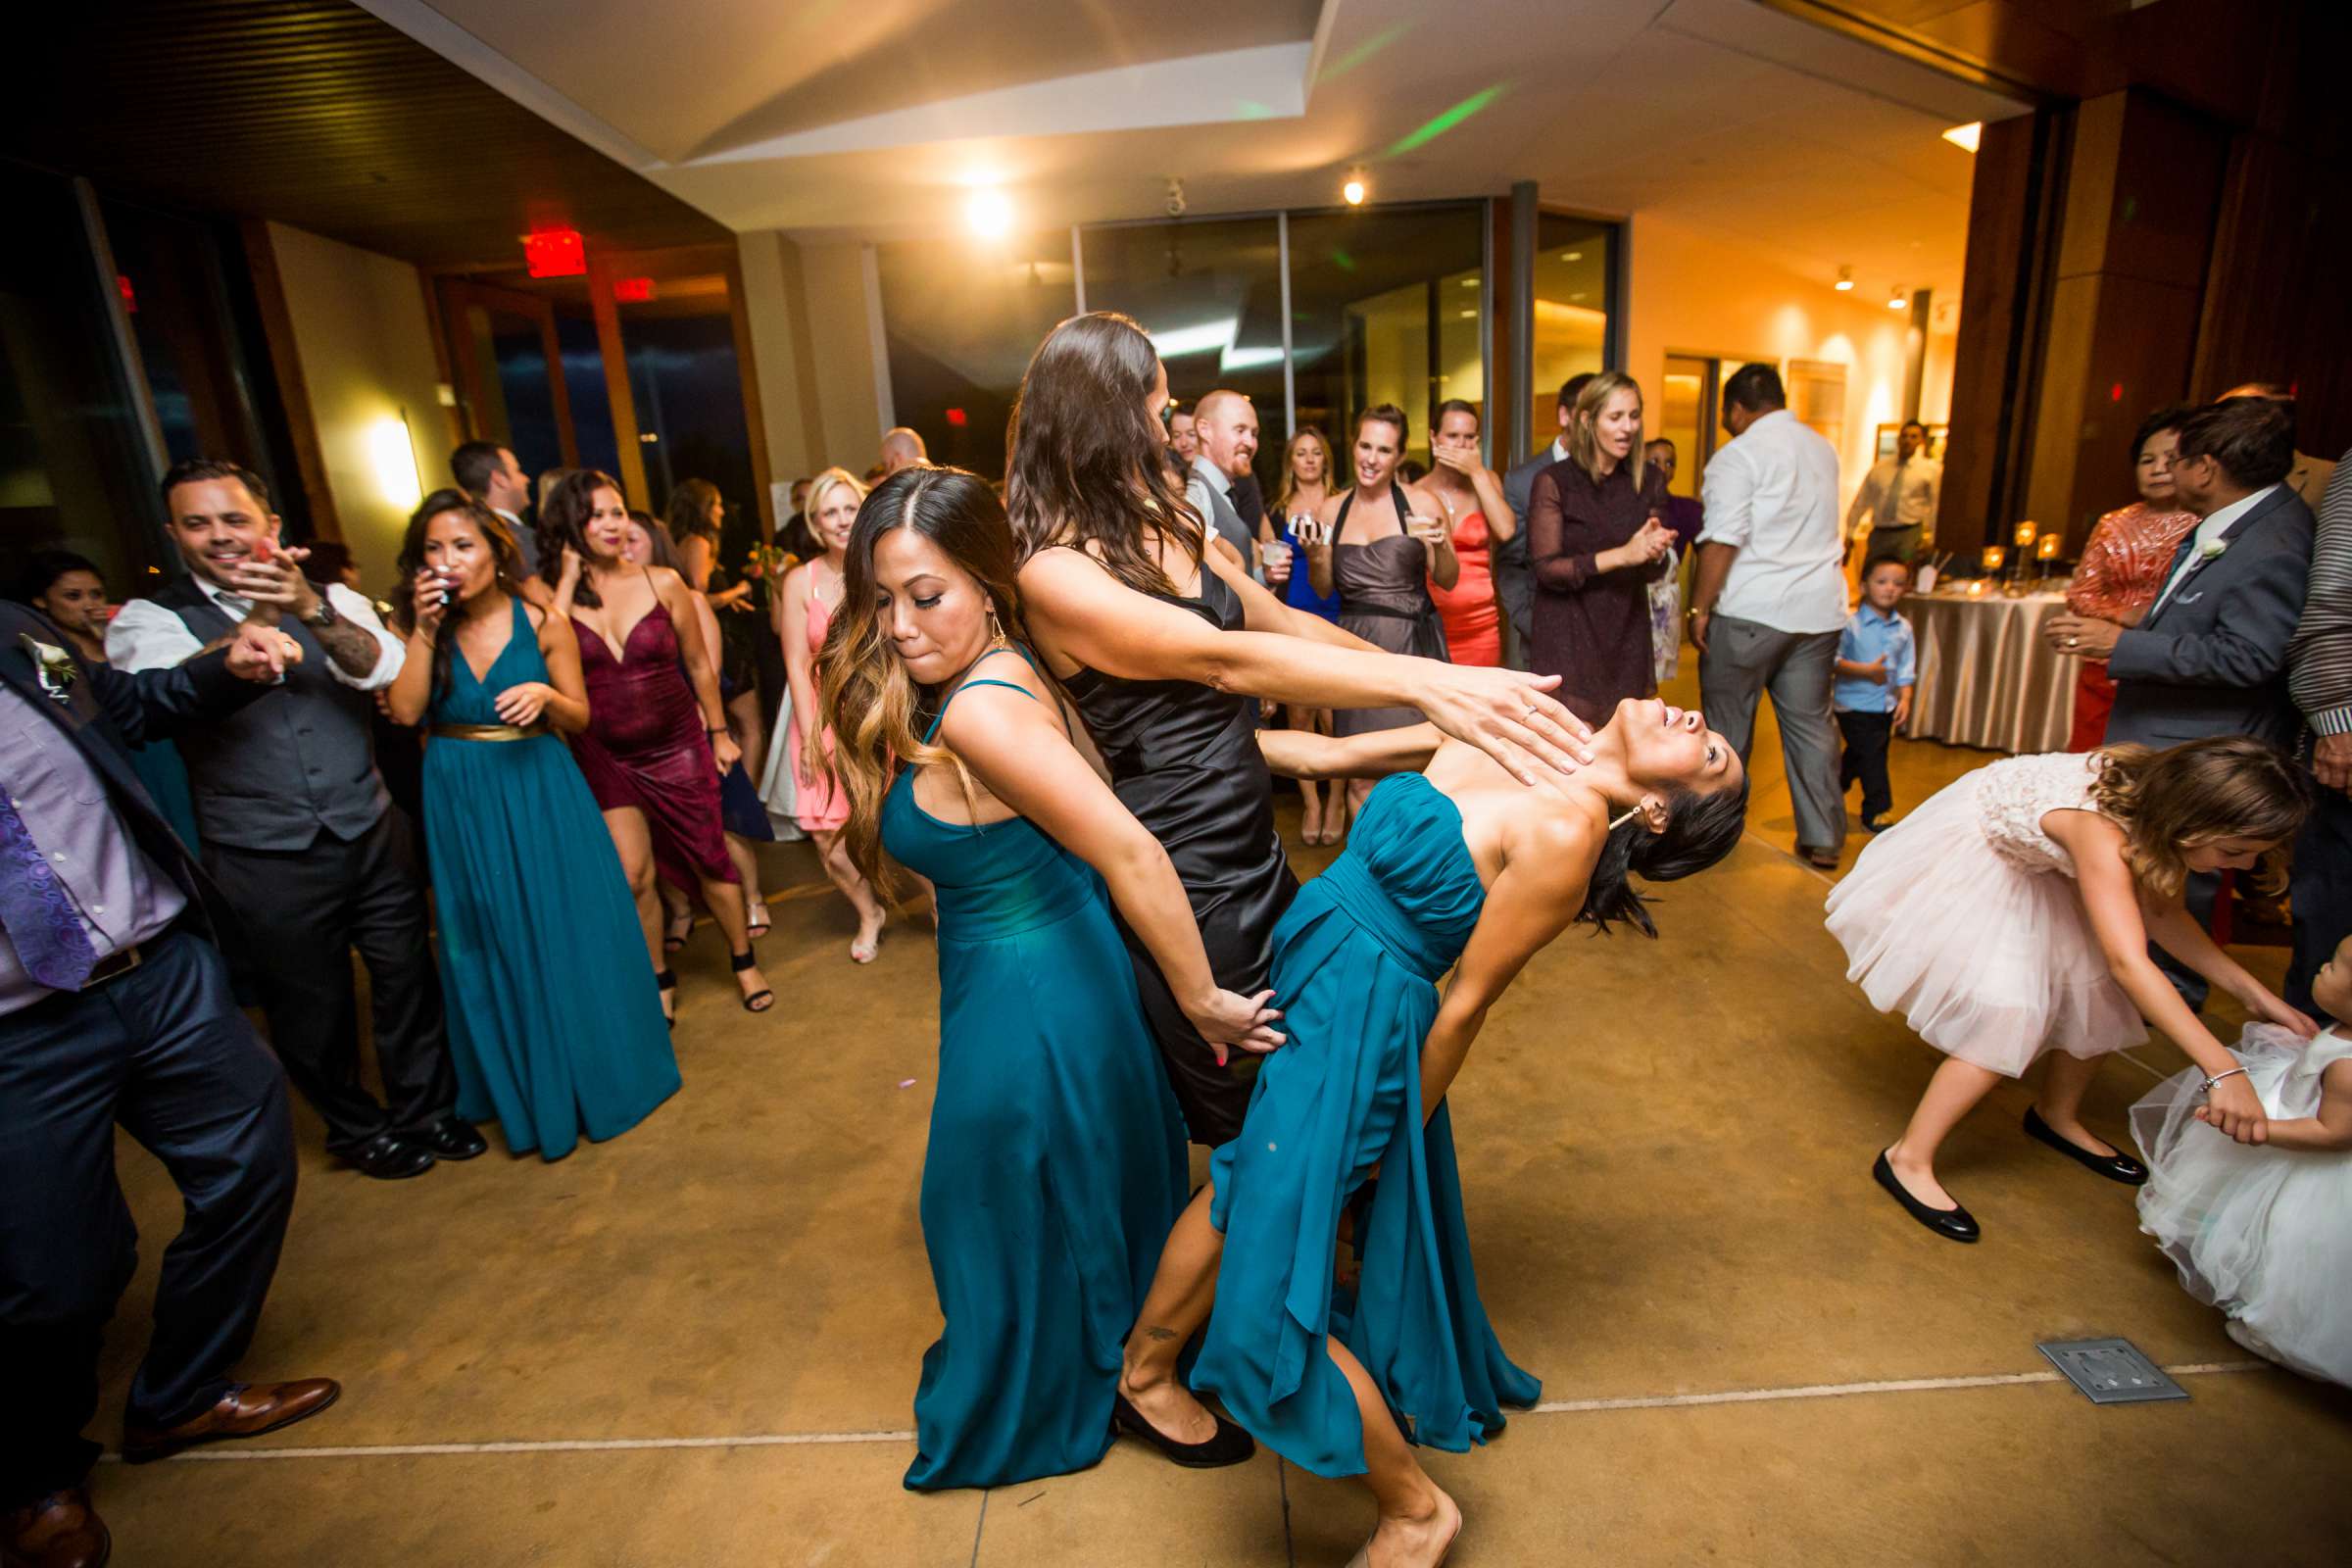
(2209, 657)
(115, 1007)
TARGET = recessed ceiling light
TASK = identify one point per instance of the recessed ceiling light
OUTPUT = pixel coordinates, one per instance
(1846, 281)
(990, 212)
(1896, 300)
(1355, 190)
(1965, 137)
(1572, 256)
(1576, 297)
(1469, 282)
(1468, 315)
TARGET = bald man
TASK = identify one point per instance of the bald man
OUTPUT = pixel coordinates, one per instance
(901, 448)
(1226, 423)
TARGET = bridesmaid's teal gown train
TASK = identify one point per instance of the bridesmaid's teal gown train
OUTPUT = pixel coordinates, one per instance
(555, 1024)
(1356, 960)
(1056, 1159)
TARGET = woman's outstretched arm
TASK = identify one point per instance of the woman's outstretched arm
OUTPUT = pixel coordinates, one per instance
(1549, 857)
(1085, 615)
(1375, 753)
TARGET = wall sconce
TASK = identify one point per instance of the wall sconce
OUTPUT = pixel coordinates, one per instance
(392, 455)
(2024, 534)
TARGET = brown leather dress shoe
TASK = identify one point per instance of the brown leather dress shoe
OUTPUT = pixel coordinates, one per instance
(246, 1410)
(60, 1531)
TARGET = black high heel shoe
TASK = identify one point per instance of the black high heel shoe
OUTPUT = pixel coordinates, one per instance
(758, 1001)
(666, 980)
(2115, 1167)
(1231, 1445)
(1953, 1224)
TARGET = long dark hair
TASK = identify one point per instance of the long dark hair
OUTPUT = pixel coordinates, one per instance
(502, 551)
(563, 523)
(689, 511)
(1701, 830)
(45, 567)
(663, 551)
(866, 695)
(1085, 465)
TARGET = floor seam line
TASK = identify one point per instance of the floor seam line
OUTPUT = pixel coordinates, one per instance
(980, 1529)
(1651, 1401)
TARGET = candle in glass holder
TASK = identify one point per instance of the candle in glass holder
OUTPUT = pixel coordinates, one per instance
(2047, 550)
(1995, 555)
(2024, 534)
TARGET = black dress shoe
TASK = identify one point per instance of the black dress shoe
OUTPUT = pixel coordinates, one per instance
(389, 1157)
(2115, 1167)
(1954, 1224)
(454, 1138)
(1231, 1445)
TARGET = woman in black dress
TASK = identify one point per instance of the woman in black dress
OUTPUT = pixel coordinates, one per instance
(1158, 637)
(1598, 535)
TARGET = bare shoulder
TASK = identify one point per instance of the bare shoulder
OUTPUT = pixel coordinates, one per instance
(980, 713)
(1553, 837)
(537, 616)
(2080, 829)
(664, 581)
(1329, 509)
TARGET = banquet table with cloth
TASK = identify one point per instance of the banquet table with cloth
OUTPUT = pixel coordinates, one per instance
(1987, 677)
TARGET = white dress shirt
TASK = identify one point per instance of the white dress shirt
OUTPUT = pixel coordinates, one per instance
(144, 635)
(1772, 493)
(1898, 494)
(2209, 533)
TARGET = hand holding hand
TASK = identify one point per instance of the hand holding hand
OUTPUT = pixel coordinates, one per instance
(1226, 1019)
(2232, 1107)
(521, 704)
(262, 653)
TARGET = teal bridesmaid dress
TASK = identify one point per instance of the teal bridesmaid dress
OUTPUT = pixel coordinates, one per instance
(555, 1025)
(1056, 1159)
(1356, 960)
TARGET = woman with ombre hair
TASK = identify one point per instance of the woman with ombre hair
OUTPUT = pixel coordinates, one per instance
(1055, 1162)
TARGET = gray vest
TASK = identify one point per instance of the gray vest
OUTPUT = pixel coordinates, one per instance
(272, 774)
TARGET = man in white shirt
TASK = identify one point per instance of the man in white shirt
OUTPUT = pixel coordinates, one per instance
(1769, 597)
(491, 475)
(1898, 499)
(298, 829)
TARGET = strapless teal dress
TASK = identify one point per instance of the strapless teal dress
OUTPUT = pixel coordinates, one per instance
(555, 1025)
(1356, 960)
(1057, 1158)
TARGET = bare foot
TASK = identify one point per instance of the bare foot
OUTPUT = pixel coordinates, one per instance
(1414, 1543)
(1170, 1408)
(1919, 1180)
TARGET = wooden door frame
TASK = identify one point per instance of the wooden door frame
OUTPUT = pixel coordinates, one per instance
(461, 294)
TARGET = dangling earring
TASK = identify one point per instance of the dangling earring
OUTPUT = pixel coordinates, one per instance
(1630, 814)
(995, 628)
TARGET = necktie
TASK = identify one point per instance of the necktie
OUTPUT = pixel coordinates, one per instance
(40, 919)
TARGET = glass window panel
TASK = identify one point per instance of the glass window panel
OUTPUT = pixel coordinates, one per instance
(1385, 308)
(688, 389)
(1210, 295)
(1572, 288)
(959, 321)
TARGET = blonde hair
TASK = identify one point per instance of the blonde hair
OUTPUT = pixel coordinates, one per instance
(825, 479)
(1584, 439)
(2198, 793)
(1290, 469)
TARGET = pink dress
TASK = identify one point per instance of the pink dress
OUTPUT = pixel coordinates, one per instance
(820, 807)
(1965, 918)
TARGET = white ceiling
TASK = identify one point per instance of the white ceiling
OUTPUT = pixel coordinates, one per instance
(875, 117)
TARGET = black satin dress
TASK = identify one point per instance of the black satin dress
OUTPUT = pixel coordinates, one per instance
(1184, 758)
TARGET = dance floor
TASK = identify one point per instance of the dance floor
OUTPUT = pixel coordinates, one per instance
(696, 1344)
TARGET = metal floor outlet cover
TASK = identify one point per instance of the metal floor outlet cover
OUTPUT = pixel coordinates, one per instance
(2111, 1371)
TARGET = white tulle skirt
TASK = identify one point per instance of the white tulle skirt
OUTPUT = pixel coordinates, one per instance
(2265, 1234)
(1986, 961)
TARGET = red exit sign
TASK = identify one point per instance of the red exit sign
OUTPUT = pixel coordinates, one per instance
(555, 253)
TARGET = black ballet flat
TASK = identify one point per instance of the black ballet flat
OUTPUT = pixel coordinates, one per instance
(758, 1001)
(1231, 1445)
(1954, 1224)
(666, 979)
(2115, 1167)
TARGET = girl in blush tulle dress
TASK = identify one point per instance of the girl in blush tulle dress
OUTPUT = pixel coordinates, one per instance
(2009, 917)
(2265, 1233)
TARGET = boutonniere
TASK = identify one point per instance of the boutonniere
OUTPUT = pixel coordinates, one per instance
(2210, 551)
(52, 665)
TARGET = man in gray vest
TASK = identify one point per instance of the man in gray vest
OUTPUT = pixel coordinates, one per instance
(297, 828)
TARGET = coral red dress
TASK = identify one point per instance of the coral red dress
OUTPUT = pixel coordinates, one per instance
(645, 747)
(1473, 625)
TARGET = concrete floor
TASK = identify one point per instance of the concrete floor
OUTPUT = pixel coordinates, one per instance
(696, 1344)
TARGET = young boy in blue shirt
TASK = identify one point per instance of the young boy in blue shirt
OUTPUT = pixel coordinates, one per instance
(1876, 668)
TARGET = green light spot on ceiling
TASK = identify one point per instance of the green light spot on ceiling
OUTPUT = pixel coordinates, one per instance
(1343, 261)
(1472, 105)
(1364, 51)
(1251, 109)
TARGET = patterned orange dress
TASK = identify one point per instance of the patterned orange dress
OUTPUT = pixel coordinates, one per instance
(2123, 568)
